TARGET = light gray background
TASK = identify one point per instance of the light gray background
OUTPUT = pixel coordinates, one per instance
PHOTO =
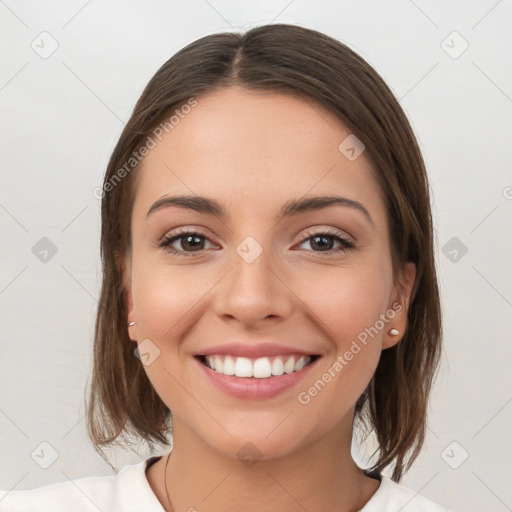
(62, 115)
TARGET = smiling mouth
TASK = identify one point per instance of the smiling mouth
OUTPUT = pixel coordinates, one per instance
(260, 368)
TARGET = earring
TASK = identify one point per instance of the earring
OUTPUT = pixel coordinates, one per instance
(394, 332)
(131, 323)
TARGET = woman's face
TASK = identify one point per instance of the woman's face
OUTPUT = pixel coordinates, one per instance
(262, 286)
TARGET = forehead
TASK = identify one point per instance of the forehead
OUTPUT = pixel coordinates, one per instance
(255, 150)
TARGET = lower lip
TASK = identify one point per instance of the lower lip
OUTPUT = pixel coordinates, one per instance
(253, 388)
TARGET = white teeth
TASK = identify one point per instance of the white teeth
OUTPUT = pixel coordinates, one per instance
(277, 366)
(229, 366)
(300, 364)
(289, 366)
(260, 368)
(243, 367)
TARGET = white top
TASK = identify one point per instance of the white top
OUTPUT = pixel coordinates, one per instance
(129, 491)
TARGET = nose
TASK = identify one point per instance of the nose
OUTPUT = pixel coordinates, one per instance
(255, 288)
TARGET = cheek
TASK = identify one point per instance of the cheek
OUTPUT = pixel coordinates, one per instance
(349, 309)
(346, 301)
(166, 301)
(164, 298)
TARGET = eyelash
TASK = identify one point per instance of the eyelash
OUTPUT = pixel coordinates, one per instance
(165, 244)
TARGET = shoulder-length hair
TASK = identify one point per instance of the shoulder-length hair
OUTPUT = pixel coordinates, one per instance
(293, 60)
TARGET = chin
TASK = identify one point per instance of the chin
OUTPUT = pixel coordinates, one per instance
(261, 436)
(253, 447)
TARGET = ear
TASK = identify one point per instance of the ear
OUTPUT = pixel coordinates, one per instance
(125, 268)
(400, 305)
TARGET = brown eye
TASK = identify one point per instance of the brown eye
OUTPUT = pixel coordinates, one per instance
(184, 242)
(324, 241)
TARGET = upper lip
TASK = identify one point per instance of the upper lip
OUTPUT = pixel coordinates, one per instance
(252, 351)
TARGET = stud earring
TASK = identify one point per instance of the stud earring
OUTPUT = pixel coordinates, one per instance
(394, 332)
(131, 323)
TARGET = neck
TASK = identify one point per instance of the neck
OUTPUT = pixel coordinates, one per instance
(317, 477)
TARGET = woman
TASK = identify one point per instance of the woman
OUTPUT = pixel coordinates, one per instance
(269, 281)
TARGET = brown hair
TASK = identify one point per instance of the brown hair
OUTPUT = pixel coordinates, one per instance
(293, 60)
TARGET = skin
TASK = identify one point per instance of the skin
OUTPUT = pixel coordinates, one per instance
(254, 151)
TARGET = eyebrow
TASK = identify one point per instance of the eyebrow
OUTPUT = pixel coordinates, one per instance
(293, 207)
